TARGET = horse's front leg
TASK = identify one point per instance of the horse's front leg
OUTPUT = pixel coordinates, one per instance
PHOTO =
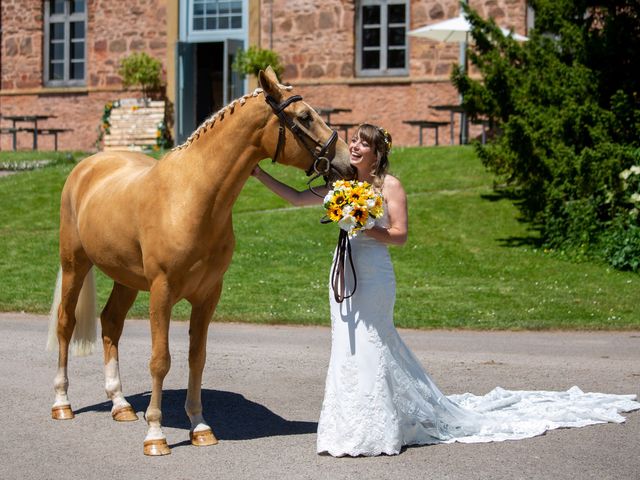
(201, 433)
(160, 304)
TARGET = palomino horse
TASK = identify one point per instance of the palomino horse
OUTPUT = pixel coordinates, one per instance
(165, 227)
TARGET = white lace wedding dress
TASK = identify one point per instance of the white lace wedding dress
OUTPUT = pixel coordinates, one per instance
(378, 397)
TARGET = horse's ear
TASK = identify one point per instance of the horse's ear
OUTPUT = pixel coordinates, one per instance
(269, 82)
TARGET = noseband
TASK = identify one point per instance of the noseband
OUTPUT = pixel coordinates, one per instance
(319, 152)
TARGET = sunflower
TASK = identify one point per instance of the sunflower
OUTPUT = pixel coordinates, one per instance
(334, 212)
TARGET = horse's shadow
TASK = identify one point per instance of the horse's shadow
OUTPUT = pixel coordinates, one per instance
(231, 415)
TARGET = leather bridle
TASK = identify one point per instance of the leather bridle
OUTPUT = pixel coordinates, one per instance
(322, 153)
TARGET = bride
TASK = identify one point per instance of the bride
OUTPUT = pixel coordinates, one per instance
(378, 398)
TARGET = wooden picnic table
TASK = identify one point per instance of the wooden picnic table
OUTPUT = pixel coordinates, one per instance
(427, 124)
(453, 109)
(328, 111)
(34, 129)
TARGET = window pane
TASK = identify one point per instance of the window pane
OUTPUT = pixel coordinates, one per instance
(371, 37)
(77, 30)
(77, 51)
(212, 8)
(223, 7)
(223, 22)
(198, 24)
(371, 59)
(371, 14)
(395, 58)
(56, 71)
(77, 70)
(56, 51)
(57, 31)
(396, 14)
(57, 7)
(236, 7)
(212, 23)
(77, 6)
(396, 36)
(236, 22)
(198, 9)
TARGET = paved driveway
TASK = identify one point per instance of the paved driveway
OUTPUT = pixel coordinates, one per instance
(262, 393)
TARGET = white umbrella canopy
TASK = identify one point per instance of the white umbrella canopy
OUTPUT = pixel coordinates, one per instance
(455, 30)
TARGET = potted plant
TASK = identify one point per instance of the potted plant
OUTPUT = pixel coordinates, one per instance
(254, 59)
(140, 69)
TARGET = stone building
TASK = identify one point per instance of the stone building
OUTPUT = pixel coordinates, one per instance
(61, 57)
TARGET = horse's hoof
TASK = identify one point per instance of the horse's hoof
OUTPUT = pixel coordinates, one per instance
(62, 412)
(203, 438)
(124, 414)
(156, 447)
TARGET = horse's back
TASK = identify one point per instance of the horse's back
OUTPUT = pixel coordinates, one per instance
(105, 166)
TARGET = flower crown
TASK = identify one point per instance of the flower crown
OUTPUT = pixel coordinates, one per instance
(387, 139)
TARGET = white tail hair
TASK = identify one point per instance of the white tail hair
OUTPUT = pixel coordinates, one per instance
(84, 333)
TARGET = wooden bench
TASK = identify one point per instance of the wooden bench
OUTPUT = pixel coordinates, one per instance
(428, 125)
(12, 131)
(45, 131)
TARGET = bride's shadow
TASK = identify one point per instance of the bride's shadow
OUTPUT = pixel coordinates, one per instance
(231, 415)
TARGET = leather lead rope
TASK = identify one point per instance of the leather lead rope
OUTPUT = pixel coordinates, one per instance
(337, 272)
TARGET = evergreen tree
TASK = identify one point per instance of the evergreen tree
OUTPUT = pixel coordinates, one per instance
(565, 112)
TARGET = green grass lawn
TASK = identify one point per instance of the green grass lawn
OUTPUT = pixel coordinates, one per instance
(468, 263)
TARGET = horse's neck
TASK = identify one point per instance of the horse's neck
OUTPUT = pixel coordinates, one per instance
(215, 164)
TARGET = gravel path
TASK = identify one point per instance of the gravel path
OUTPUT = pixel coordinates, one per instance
(262, 393)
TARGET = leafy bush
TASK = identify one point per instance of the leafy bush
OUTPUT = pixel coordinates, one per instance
(566, 111)
(142, 70)
(254, 59)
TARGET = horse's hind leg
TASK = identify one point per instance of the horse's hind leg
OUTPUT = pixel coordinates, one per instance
(112, 319)
(73, 274)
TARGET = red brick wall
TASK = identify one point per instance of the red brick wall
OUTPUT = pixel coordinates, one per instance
(316, 44)
(115, 28)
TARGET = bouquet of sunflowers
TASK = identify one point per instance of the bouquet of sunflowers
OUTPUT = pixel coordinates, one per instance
(353, 205)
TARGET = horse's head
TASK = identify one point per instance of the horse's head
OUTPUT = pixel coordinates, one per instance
(297, 136)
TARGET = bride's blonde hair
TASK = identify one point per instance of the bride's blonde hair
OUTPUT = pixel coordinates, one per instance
(380, 140)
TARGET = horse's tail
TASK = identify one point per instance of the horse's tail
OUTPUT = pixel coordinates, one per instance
(84, 334)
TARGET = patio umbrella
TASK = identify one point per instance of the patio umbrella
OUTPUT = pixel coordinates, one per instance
(454, 30)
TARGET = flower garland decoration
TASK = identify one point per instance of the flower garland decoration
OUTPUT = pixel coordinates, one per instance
(163, 137)
(353, 205)
(105, 122)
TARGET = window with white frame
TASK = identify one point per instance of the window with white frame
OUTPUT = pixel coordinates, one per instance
(212, 15)
(65, 42)
(381, 37)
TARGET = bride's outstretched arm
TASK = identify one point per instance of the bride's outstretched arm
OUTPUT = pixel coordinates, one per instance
(291, 195)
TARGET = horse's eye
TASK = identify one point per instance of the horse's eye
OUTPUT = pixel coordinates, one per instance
(305, 119)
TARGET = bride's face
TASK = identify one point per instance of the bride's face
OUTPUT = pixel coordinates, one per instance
(362, 154)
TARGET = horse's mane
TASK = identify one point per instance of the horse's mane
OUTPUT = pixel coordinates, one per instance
(209, 122)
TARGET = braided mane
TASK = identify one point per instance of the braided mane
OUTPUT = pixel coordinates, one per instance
(209, 122)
